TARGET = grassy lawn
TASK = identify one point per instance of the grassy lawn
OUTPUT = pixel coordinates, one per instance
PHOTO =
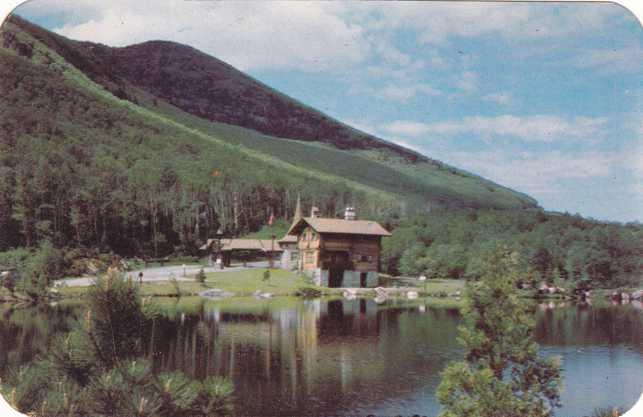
(246, 282)
(434, 286)
(241, 283)
(281, 283)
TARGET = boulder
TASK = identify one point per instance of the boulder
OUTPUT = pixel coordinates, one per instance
(379, 300)
(412, 295)
(215, 293)
(381, 292)
(349, 294)
(422, 278)
(637, 295)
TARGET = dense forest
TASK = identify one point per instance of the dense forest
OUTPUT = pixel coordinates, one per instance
(557, 248)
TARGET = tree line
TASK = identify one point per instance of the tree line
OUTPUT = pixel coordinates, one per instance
(556, 248)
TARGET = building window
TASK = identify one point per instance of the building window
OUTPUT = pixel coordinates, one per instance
(294, 256)
(364, 258)
(309, 257)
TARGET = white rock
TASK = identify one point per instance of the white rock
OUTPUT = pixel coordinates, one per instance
(379, 300)
(412, 295)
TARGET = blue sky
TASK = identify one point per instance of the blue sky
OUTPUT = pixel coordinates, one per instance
(544, 98)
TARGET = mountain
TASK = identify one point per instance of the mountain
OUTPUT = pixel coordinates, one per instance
(159, 141)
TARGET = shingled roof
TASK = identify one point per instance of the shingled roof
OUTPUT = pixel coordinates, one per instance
(339, 226)
(244, 244)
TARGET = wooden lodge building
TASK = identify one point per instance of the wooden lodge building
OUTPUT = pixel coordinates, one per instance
(338, 252)
(262, 247)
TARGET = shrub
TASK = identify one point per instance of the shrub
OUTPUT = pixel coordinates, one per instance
(200, 276)
(175, 285)
(308, 292)
(44, 266)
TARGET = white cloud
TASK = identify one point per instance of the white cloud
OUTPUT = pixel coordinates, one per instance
(316, 36)
(467, 82)
(537, 174)
(365, 125)
(407, 128)
(438, 21)
(498, 98)
(405, 92)
(274, 35)
(627, 60)
(541, 128)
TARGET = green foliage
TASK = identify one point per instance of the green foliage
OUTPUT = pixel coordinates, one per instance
(116, 319)
(308, 292)
(96, 368)
(45, 265)
(502, 374)
(16, 258)
(278, 229)
(200, 276)
(559, 249)
(266, 275)
(606, 412)
(175, 285)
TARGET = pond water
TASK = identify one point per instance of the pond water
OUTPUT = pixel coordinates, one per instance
(319, 357)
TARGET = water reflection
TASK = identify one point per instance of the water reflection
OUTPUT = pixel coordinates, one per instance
(295, 357)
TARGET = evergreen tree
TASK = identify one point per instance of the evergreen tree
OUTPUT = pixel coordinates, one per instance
(502, 374)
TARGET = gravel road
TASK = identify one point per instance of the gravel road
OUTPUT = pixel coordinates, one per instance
(163, 273)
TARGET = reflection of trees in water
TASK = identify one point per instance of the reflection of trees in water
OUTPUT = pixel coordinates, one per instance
(27, 332)
(315, 356)
(584, 326)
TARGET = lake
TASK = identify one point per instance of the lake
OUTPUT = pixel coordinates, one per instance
(319, 357)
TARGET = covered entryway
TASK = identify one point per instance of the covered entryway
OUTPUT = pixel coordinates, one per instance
(336, 263)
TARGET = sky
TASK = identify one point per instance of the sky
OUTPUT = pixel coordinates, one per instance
(545, 98)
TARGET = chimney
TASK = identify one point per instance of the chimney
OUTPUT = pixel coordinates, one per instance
(349, 213)
(314, 212)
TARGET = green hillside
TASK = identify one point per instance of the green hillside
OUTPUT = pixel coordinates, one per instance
(90, 158)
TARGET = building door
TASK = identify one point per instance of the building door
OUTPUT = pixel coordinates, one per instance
(362, 279)
(337, 263)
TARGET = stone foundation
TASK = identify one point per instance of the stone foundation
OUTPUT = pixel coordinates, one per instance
(350, 279)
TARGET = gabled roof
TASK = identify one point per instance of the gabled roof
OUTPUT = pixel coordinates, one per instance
(244, 244)
(288, 239)
(339, 226)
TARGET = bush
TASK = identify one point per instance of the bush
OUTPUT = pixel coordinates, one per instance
(308, 292)
(200, 276)
(175, 285)
(40, 270)
(16, 258)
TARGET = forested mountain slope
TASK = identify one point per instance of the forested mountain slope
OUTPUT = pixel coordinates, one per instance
(93, 153)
